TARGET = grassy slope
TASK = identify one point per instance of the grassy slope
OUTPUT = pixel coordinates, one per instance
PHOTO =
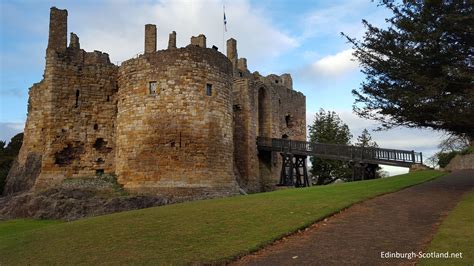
(456, 234)
(199, 231)
(21, 225)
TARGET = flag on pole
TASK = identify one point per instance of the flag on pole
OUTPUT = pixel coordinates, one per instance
(225, 21)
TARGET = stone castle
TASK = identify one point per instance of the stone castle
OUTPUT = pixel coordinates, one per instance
(179, 120)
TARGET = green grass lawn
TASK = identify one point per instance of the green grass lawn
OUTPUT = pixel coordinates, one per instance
(456, 234)
(17, 226)
(201, 231)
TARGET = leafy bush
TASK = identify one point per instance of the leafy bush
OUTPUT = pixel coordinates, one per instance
(445, 157)
(467, 150)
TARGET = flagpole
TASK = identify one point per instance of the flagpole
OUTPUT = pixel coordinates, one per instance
(223, 30)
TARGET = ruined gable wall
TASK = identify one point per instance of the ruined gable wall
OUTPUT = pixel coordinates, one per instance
(178, 138)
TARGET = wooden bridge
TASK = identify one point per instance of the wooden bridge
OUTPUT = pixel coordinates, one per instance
(392, 157)
(294, 155)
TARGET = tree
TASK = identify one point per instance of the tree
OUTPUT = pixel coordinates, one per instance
(329, 128)
(454, 143)
(14, 145)
(449, 147)
(365, 140)
(7, 156)
(419, 70)
(2, 146)
(432, 161)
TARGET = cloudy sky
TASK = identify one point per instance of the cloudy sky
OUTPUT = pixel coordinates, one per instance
(276, 36)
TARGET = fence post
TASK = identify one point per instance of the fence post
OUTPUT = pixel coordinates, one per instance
(413, 156)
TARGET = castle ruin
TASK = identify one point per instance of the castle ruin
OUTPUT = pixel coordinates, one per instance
(174, 121)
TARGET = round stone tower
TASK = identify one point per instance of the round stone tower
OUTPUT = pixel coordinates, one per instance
(174, 121)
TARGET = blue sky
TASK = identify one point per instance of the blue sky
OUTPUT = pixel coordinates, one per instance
(298, 37)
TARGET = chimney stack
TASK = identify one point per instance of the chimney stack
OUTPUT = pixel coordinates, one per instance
(57, 40)
(150, 38)
(232, 51)
(172, 40)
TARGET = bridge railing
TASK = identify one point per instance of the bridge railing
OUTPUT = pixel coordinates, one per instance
(338, 151)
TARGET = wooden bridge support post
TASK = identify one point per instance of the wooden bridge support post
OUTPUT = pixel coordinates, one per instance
(363, 171)
(294, 171)
(301, 171)
(286, 176)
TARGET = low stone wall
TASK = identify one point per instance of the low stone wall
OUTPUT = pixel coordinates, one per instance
(461, 162)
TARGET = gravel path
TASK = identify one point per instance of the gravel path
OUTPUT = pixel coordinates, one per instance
(403, 221)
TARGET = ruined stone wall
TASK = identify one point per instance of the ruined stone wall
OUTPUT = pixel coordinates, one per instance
(282, 114)
(245, 133)
(288, 116)
(27, 166)
(266, 107)
(80, 135)
(70, 125)
(173, 136)
(288, 110)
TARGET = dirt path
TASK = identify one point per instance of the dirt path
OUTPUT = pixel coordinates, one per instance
(403, 221)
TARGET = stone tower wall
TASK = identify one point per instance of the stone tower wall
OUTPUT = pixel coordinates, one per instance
(245, 134)
(79, 134)
(70, 126)
(177, 138)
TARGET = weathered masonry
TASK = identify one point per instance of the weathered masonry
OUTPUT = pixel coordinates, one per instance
(174, 121)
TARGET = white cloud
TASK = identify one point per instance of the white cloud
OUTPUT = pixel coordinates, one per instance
(118, 28)
(330, 67)
(335, 65)
(8, 130)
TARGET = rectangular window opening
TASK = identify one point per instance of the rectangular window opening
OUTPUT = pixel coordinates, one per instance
(152, 86)
(209, 89)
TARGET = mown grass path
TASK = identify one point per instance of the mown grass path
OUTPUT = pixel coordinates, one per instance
(201, 231)
(455, 235)
(401, 222)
